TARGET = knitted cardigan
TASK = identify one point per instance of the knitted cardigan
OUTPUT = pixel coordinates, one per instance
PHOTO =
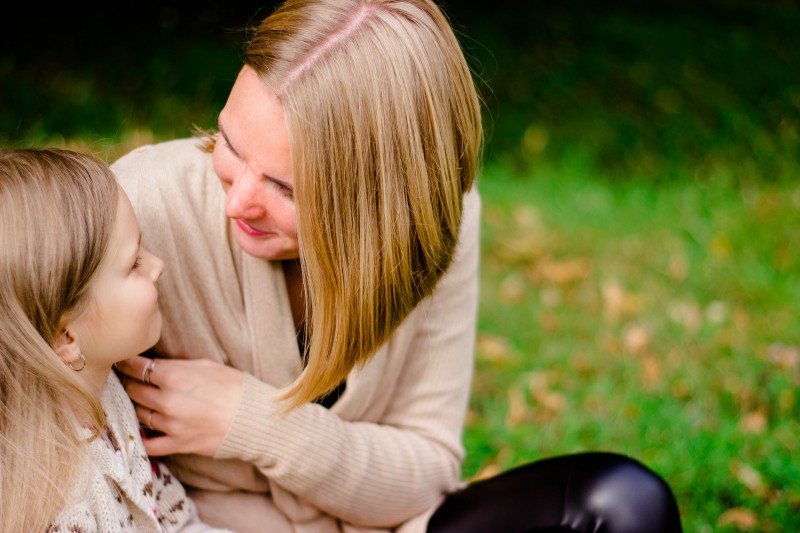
(387, 451)
(120, 489)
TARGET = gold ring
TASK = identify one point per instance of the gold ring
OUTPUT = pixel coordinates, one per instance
(148, 369)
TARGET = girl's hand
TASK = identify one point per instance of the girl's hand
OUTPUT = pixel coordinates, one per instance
(190, 402)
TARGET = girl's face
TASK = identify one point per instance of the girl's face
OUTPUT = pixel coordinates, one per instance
(253, 162)
(123, 318)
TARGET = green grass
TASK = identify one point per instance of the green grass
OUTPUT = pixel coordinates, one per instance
(654, 320)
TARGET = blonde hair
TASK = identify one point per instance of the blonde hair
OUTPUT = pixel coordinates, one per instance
(385, 132)
(57, 210)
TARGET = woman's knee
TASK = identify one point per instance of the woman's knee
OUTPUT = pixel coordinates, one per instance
(620, 494)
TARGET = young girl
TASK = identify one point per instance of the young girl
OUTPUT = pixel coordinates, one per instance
(77, 294)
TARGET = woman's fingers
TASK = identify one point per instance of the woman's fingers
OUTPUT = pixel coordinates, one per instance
(137, 367)
(192, 402)
(160, 446)
(145, 395)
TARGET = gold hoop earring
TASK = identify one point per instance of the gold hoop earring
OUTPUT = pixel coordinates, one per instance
(83, 360)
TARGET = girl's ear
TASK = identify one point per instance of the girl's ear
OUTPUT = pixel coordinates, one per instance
(66, 347)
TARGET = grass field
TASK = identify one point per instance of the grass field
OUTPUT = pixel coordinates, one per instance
(640, 289)
(659, 321)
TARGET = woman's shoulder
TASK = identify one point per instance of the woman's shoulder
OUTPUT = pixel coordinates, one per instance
(472, 203)
(164, 161)
(470, 216)
(171, 150)
(154, 175)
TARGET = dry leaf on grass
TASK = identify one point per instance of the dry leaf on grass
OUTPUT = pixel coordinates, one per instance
(517, 408)
(492, 347)
(513, 288)
(652, 372)
(749, 477)
(754, 422)
(486, 471)
(636, 338)
(617, 303)
(561, 272)
(739, 517)
(785, 356)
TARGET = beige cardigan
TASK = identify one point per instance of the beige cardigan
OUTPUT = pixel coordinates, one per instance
(389, 448)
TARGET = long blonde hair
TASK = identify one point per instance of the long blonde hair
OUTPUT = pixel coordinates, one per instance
(57, 210)
(385, 132)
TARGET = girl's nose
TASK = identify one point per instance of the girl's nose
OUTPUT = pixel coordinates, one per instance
(157, 266)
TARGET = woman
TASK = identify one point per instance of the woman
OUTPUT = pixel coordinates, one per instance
(319, 315)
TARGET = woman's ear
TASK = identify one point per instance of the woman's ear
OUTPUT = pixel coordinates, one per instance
(66, 347)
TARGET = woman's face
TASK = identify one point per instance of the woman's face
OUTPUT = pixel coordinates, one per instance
(252, 160)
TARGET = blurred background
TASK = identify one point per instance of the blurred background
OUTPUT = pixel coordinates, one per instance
(641, 212)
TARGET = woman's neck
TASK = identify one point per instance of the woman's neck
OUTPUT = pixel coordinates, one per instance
(294, 287)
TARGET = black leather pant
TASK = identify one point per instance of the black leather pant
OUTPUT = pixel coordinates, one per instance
(595, 492)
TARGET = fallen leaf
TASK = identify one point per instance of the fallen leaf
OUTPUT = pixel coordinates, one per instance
(636, 338)
(512, 288)
(517, 408)
(651, 371)
(550, 297)
(678, 267)
(526, 217)
(549, 322)
(492, 347)
(755, 422)
(686, 314)
(784, 355)
(617, 303)
(739, 517)
(486, 471)
(749, 477)
(563, 272)
(548, 403)
(717, 312)
(552, 401)
(520, 248)
(538, 380)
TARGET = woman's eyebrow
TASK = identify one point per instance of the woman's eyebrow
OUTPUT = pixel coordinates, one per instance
(225, 136)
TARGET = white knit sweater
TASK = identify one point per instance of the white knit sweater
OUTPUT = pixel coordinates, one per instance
(386, 452)
(121, 490)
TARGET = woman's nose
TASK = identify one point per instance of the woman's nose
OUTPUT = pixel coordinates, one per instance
(243, 198)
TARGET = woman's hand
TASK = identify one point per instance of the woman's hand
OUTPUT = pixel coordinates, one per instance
(192, 402)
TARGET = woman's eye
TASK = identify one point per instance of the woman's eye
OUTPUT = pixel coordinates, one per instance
(283, 189)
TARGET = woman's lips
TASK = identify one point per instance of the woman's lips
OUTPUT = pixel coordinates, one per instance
(250, 230)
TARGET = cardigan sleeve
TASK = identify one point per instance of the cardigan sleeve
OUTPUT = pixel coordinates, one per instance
(378, 473)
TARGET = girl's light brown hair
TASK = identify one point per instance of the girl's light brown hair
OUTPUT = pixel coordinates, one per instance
(57, 210)
(385, 132)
